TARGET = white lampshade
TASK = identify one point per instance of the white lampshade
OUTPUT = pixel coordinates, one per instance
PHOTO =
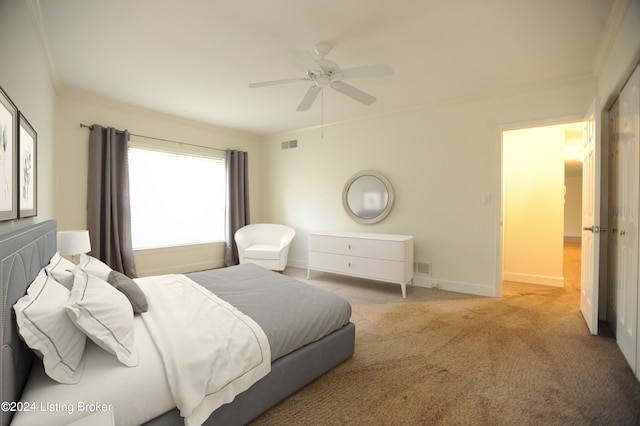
(71, 243)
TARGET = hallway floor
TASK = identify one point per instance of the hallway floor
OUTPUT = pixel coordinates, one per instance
(572, 257)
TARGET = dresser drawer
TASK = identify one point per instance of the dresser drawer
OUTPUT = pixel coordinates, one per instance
(383, 270)
(382, 257)
(371, 248)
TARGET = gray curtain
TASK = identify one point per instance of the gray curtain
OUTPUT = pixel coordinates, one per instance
(237, 201)
(108, 207)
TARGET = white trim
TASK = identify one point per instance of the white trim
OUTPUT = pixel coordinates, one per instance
(534, 279)
(611, 31)
(500, 129)
(476, 289)
(184, 268)
(298, 263)
(426, 281)
(43, 39)
(178, 248)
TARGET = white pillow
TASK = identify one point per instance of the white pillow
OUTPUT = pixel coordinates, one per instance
(45, 326)
(61, 270)
(95, 267)
(104, 314)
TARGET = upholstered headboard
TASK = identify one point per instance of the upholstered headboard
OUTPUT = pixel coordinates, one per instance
(22, 254)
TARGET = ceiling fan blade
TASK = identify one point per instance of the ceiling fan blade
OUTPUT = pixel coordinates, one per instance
(308, 99)
(276, 82)
(352, 92)
(310, 64)
(379, 70)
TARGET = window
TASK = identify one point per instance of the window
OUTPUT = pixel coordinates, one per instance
(178, 196)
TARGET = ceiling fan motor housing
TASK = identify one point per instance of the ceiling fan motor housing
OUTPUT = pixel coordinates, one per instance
(329, 69)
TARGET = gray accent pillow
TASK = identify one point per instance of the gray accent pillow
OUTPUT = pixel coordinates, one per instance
(130, 289)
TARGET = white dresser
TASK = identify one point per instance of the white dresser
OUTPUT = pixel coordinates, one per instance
(382, 257)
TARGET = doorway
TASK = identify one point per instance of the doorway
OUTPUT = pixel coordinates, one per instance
(541, 202)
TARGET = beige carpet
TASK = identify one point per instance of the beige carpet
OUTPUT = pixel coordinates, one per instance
(442, 358)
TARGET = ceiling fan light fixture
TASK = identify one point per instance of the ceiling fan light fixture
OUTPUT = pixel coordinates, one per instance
(321, 80)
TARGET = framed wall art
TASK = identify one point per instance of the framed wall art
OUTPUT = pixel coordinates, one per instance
(27, 168)
(8, 158)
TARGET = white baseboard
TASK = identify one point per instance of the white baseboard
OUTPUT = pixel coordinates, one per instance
(183, 269)
(533, 279)
(428, 281)
(297, 263)
(455, 286)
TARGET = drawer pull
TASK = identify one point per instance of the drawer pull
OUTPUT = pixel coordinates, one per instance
(349, 264)
(349, 246)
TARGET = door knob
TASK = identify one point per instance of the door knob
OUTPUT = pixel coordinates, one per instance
(595, 229)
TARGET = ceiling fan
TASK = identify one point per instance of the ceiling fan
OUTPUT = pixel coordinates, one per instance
(323, 73)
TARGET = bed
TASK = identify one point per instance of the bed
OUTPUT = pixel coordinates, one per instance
(294, 361)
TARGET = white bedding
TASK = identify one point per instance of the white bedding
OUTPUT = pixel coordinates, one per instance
(134, 394)
(211, 351)
(177, 365)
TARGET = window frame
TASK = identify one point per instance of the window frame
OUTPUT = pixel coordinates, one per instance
(184, 149)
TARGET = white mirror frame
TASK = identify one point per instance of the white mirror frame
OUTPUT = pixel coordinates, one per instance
(385, 211)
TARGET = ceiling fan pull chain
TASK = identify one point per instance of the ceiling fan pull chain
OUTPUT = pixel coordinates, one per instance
(322, 115)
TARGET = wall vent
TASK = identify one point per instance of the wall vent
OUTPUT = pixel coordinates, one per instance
(422, 268)
(290, 144)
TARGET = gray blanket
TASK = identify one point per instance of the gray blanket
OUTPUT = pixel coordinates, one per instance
(291, 313)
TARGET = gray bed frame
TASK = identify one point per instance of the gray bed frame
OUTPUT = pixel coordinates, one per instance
(25, 251)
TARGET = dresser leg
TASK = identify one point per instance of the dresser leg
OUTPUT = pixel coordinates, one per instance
(404, 290)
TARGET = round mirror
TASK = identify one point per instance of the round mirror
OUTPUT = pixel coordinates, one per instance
(367, 197)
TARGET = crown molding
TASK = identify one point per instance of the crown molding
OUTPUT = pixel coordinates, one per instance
(43, 41)
(610, 32)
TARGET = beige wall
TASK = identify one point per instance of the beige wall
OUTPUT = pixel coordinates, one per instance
(441, 160)
(573, 207)
(533, 200)
(25, 78)
(72, 155)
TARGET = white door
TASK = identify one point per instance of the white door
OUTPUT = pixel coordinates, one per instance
(591, 218)
(634, 135)
(627, 225)
(615, 198)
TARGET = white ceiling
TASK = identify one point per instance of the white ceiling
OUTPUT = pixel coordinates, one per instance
(195, 58)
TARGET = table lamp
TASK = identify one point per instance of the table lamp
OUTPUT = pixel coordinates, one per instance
(73, 243)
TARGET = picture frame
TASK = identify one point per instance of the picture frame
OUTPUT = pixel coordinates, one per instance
(27, 168)
(8, 158)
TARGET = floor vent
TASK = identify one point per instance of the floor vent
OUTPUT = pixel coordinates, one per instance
(290, 144)
(422, 268)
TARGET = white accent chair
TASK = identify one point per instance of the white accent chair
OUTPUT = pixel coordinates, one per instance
(265, 244)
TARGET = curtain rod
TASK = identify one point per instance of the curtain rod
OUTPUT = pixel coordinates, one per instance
(163, 140)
